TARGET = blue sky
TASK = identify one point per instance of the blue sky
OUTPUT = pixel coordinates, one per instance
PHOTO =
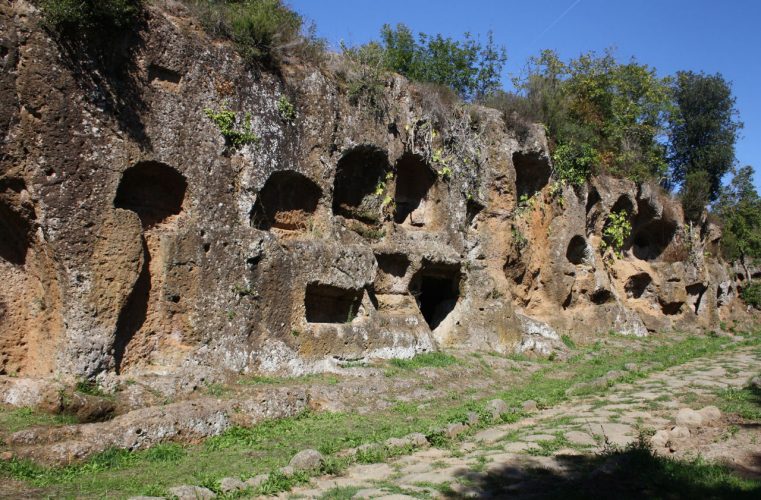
(671, 35)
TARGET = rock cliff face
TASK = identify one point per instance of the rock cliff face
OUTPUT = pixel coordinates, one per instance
(134, 239)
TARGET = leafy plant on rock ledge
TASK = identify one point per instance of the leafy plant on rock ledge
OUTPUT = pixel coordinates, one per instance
(617, 230)
(235, 135)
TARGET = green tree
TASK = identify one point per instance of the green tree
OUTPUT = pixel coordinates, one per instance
(613, 111)
(703, 128)
(739, 208)
(468, 67)
(695, 191)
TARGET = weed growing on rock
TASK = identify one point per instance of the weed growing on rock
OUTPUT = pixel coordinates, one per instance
(286, 109)
(235, 135)
(617, 229)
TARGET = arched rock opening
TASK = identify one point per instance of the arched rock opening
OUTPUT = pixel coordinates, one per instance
(331, 304)
(358, 174)
(153, 190)
(286, 201)
(436, 288)
(652, 232)
(637, 284)
(623, 203)
(577, 252)
(392, 268)
(532, 173)
(16, 223)
(695, 294)
(414, 195)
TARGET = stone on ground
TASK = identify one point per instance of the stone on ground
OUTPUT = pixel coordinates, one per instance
(529, 405)
(660, 439)
(710, 414)
(187, 492)
(231, 484)
(308, 460)
(687, 417)
(580, 438)
(496, 407)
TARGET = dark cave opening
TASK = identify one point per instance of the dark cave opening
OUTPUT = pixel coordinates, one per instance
(359, 173)
(15, 235)
(331, 304)
(16, 222)
(414, 181)
(577, 252)
(532, 173)
(652, 232)
(153, 190)
(286, 201)
(436, 288)
(394, 264)
(637, 284)
(695, 295)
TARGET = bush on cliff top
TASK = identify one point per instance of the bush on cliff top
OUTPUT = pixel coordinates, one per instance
(84, 18)
(262, 30)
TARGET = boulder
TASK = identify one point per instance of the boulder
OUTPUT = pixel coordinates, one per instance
(455, 429)
(529, 406)
(496, 407)
(660, 439)
(417, 439)
(687, 417)
(231, 485)
(256, 481)
(187, 492)
(710, 414)
(679, 432)
(307, 460)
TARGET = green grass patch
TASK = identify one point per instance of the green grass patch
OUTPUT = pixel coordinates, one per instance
(16, 419)
(425, 360)
(245, 452)
(745, 402)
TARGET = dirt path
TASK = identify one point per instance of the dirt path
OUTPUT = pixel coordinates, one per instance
(558, 442)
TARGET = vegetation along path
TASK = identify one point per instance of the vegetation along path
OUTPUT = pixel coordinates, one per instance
(594, 445)
(604, 417)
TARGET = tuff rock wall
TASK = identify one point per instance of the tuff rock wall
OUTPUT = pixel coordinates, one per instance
(134, 239)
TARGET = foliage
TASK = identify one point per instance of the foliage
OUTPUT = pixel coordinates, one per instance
(226, 120)
(574, 162)
(262, 30)
(703, 128)
(85, 18)
(695, 193)
(468, 67)
(366, 77)
(751, 294)
(616, 230)
(274, 442)
(89, 387)
(286, 109)
(608, 113)
(739, 208)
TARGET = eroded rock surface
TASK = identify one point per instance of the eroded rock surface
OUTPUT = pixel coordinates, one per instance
(138, 244)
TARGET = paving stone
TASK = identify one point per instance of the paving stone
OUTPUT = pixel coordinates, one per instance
(582, 438)
(538, 437)
(491, 435)
(520, 446)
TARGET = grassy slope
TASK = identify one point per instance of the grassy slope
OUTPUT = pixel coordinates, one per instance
(246, 452)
